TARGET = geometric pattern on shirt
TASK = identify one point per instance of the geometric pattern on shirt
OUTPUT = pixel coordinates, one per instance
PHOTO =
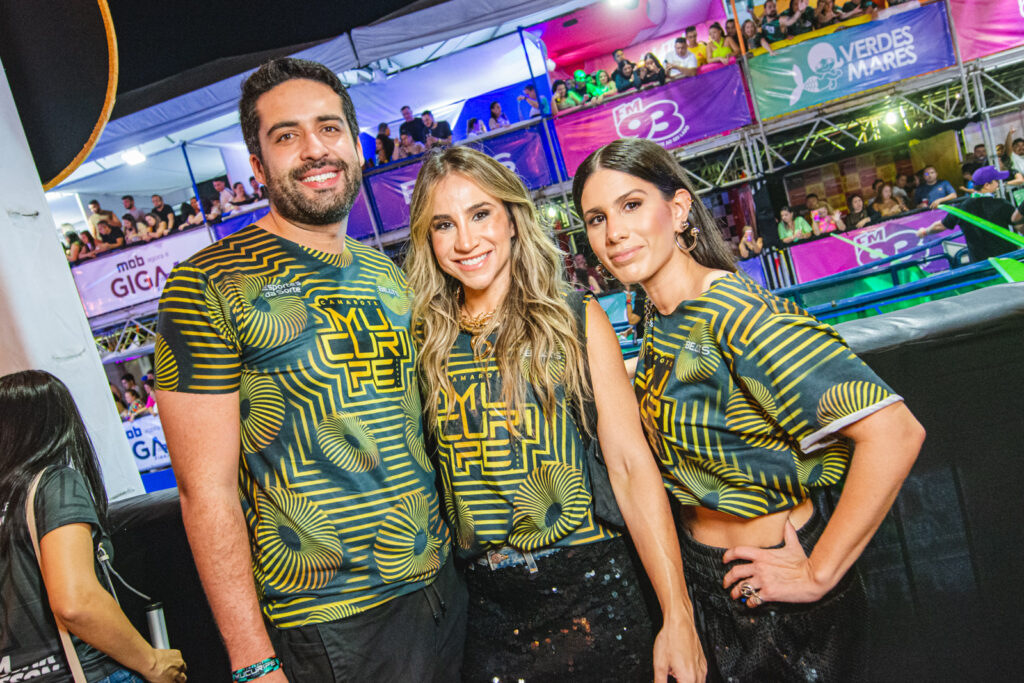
(318, 347)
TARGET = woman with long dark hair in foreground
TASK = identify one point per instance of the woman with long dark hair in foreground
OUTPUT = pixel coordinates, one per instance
(750, 404)
(41, 431)
(521, 378)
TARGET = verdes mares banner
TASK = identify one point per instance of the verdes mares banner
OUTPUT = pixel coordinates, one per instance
(135, 275)
(522, 151)
(672, 115)
(984, 27)
(855, 59)
(825, 257)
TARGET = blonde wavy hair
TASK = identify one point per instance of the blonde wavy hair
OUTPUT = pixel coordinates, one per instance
(533, 323)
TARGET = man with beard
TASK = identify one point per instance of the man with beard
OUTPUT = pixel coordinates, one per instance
(288, 395)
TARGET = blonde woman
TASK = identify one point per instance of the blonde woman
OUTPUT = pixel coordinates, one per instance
(505, 360)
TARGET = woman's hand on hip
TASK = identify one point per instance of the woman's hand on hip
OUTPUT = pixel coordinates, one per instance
(773, 575)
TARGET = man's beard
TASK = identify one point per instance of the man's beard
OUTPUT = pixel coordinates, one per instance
(324, 208)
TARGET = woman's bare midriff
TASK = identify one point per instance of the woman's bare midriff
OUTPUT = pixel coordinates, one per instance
(722, 530)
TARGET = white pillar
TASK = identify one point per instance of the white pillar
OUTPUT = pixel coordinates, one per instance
(42, 323)
(236, 162)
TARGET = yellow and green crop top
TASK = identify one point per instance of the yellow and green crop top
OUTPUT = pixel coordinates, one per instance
(529, 492)
(742, 394)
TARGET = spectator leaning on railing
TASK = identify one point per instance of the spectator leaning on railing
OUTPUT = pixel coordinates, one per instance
(412, 125)
(933, 191)
(407, 147)
(652, 73)
(793, 228)
(720, 47)
(439, 133)
(164, 212)
(100, 214)
(771, 23)
(981, 244)
(681, 63)
(798, 19)
(699, 50)
(111, 237)
(626, 77)
(129, 207)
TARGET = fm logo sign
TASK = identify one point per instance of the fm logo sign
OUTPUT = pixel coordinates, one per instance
(658, 121)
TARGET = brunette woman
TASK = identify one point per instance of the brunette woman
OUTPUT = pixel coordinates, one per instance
(750, 404)
(41, 433)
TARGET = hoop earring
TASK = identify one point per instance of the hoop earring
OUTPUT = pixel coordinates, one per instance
(681, 244)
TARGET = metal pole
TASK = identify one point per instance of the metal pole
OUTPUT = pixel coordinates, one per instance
(959, 61)
(195, 188)
(529, 66)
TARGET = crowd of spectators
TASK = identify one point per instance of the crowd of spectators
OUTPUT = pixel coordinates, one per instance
(923, 190)
(108, 231)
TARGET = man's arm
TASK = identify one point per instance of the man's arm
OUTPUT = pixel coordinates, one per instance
(170, 220)
(942, 200)
(114, 221)
(202, 433)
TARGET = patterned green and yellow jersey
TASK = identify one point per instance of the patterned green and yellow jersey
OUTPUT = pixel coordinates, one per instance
(742, 394)
(335, 484)
(529, 491)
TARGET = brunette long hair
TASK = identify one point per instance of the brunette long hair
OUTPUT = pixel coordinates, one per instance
(650, 162)
(40, 428)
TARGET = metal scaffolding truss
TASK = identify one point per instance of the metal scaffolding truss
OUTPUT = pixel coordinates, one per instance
(135, 336)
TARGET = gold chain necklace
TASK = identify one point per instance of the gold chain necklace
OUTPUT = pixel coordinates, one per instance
(475, 324)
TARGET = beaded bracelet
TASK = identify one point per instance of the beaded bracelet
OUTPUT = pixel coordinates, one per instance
(257, 670)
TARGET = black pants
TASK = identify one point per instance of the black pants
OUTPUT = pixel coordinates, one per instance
(582, 617)
(819, 641)
(416, 637)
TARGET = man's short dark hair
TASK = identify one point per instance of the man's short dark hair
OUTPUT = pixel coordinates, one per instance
(690, 28)
(128, 376)
(404, 107)
(94, 201)
(812, 195)
(530, 86)
(128, 196)
(274, 73)
(158, 197)
(99, 223)
(681, 39)
(427, 112)
(980, 144)
(1016, 140)
(252, 177)
(381, 127)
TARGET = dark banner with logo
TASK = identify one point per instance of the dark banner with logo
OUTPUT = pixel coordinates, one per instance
(522, 151)
(673, 115)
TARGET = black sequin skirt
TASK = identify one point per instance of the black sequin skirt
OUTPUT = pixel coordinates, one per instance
(819, 641)
(582, 617)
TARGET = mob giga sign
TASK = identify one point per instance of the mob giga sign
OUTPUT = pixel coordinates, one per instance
(855, 59)
(136, 275)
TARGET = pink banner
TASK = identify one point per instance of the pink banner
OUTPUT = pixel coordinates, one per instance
(672, 115)
(832, 255)
(597, 29)
(984, 27)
